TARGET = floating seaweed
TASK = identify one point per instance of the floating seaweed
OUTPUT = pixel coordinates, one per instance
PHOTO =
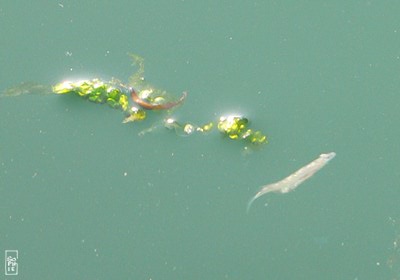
(25, 88)
(138, 97)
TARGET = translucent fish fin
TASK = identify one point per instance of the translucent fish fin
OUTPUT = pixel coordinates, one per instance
(251, 202)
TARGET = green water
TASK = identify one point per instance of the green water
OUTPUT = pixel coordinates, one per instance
(83, 196)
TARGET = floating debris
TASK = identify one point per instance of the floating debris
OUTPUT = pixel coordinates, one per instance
(95, 91)
(143, 97)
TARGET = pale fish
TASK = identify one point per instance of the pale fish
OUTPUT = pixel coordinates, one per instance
(294, 180)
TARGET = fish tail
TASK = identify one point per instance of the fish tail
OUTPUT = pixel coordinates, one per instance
(250, 203)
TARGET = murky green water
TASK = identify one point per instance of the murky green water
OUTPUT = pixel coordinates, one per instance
(83, 196)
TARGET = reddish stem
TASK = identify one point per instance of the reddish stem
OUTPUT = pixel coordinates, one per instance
(150, 106)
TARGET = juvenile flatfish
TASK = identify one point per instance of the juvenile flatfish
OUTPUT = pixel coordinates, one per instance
(294, 180)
